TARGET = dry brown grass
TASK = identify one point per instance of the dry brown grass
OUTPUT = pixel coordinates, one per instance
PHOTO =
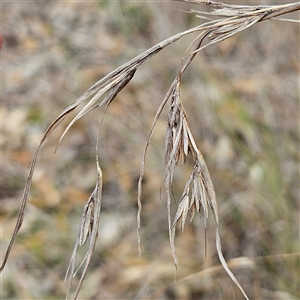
(198, 195)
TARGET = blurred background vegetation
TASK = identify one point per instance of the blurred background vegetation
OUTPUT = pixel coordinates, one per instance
(242, 99)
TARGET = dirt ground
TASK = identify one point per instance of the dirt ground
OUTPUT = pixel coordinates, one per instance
(242, 99)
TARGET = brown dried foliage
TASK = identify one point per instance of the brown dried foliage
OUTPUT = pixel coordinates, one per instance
(198, 195)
